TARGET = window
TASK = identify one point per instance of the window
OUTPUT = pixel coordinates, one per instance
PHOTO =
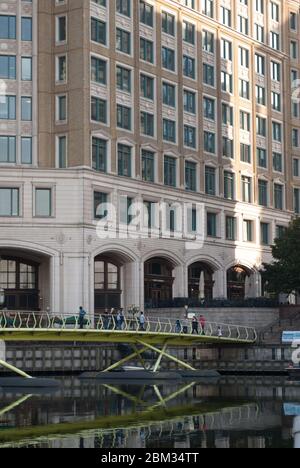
(146, 13)
(229, 185)
(146, 50)
(7, 149)
(191, 176)
(26, 29)
(248, 231)
(123, 117)
(98, 31)
(170, 177)
(99, 154)
(98, 70)
(278, 197)
(169, 130)
(264, 233)
(147, 87)
(147, 124)
(123, 79)
(26, 150)
(61, 29)
(98, 110)
(168, 23)
(7, 27)
(210, 180)
(123, 41)
(123, 7)
(9, 202)
(8, 67)
(148, 167)
(247, 189)
(168, 58)
(43, 202)
(211, 224)
(100, 200)
(7, 107)
(124, 160)
(263, 193)
(230, 228)
(26, 108)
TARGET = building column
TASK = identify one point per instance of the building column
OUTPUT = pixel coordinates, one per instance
(185, 281)
(56, 285)
(2, 350)
(220, 284)
(179, 287)
(296, 432)
(132, 284)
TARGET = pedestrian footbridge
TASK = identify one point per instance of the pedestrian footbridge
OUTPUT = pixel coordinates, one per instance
(156, 334)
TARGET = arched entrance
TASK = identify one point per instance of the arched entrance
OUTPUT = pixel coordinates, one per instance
(158, 280)
(236, 282)
(25, 279)
(201, 282)
(107, 283)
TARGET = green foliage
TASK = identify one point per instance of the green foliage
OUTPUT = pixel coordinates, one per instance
(283, 275)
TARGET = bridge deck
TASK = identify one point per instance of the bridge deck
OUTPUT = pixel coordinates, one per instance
(42, 327)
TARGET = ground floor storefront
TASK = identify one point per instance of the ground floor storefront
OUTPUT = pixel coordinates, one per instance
(114, 275)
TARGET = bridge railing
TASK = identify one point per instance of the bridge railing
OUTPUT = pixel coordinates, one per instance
(107, 322)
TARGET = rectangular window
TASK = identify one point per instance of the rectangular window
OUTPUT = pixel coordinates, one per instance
(170, 177)
(9, 202)
(43, 202)
(100, 200)
(124, 160)
(7, 149)
(99, 154)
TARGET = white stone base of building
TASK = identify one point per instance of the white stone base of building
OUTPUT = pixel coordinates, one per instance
(66, 245)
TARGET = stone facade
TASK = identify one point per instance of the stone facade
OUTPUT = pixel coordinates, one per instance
(64, 241)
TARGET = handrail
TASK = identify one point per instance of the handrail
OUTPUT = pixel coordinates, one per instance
(277, 322)
(105, 322)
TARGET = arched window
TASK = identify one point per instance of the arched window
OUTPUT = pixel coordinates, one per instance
(199, 272)
(19, 279)
(107, 284)
(236, 282)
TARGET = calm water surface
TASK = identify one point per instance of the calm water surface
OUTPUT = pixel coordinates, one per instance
(234, 412)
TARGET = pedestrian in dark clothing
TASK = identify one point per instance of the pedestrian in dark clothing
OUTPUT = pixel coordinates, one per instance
(195, 327)
(82, 314)
(178, 326)
(106, 320)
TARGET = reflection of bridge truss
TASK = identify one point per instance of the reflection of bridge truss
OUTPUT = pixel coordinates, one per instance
(155, 420)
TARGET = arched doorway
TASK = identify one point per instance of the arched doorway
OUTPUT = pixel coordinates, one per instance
(196, 272)
(236, 282)
(107, 283)
(158, 280)
(19, 278)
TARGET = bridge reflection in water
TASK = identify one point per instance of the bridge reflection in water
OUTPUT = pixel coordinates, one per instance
(147, 422)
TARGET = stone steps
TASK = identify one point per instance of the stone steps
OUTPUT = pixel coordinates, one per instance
(274, 334)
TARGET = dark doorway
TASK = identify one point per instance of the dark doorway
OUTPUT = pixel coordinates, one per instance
(236, 283)
(107, 284)
(195, 271)
(158, 281)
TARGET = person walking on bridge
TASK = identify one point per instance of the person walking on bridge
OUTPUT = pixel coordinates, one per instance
(82, 314)
(142, 321)
(202, 322)
(195, 327)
